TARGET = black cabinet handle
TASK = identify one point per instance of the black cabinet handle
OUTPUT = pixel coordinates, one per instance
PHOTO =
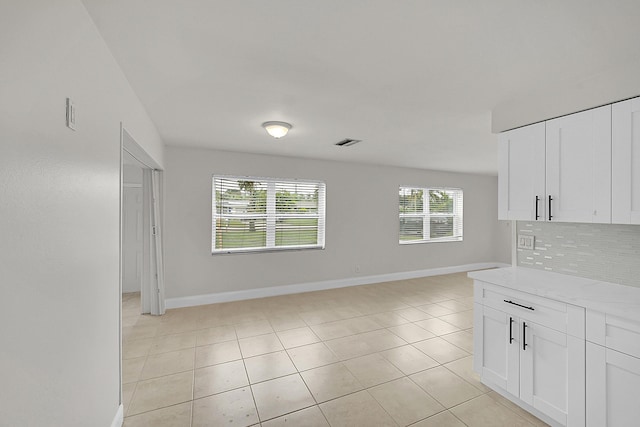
(510, 330)
(550, 216)
(524, 335)
(519, 305)
(537, 215)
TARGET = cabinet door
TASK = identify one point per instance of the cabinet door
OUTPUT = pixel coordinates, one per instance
(613, 381)
(496, 348)
(578, 152)
(625, 160)
(552, 377)
(521, 158)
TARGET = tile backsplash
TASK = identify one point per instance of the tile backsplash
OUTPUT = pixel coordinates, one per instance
(596, 251)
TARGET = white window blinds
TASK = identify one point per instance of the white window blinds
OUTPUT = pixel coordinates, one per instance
(430, 214)
(256, 214)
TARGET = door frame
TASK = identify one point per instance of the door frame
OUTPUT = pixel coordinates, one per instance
(129, 145)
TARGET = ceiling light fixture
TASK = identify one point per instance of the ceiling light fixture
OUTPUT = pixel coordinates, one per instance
(277, 129)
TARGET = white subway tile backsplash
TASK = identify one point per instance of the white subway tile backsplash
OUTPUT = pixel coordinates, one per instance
(596, 251)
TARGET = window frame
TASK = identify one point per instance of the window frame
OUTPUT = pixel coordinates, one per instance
(457, 215)
(271, 216)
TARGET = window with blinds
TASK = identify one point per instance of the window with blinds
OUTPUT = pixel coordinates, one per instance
(258, 214)
(430, 214)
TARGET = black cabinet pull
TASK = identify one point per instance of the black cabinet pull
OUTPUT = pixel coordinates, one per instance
(550, 216)
(510, 330)
(524, 335)
(537, 200)
(519, 305)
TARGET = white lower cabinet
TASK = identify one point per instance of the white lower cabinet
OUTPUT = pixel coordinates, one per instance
(499, 360)
(613, 384)
(552, 375)
(571, 358)
(613, 367)
(538, 365)
(524, 347)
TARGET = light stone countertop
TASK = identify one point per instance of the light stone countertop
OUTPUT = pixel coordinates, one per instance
(611, 298)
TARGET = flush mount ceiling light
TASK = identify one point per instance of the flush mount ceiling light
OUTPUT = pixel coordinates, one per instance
(276, 129)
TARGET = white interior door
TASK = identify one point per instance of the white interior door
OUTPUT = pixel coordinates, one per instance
(152, 294)
(157, 305)
(132, 239)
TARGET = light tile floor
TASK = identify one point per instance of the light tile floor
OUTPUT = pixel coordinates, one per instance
(387, 354)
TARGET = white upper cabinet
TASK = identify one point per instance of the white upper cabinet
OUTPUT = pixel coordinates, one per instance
(625, 159)
(578, 167)
(521, 176)
(560, 170)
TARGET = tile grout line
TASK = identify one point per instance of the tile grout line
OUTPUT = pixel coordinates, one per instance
(246, 372)
(193, 382)
(299, 375)
(363, 313)
(138, 380)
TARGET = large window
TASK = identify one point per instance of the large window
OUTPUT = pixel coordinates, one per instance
(257, 214)
(430, 214)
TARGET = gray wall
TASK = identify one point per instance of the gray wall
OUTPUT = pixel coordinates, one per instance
(59, 215)
(362, 224)
(597, 251)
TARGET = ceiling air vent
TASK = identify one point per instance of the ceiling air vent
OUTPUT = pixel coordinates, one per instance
(347, 142)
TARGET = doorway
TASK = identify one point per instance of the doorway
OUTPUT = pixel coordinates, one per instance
(142, 271)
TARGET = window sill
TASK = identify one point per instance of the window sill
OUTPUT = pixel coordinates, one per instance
(417, 242)
(262, 250)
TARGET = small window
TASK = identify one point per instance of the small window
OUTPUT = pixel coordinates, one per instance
(430, 215)
(257, 214)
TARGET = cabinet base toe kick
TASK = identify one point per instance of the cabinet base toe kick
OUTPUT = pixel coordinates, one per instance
(516, 401)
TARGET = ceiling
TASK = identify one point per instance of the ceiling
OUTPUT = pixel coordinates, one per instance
(417, 81)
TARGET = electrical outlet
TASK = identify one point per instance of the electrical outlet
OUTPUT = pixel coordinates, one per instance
(357, 268)
(525, 242)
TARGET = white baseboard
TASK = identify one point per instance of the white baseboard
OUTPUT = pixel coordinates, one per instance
(195, 300)
(118, 420)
